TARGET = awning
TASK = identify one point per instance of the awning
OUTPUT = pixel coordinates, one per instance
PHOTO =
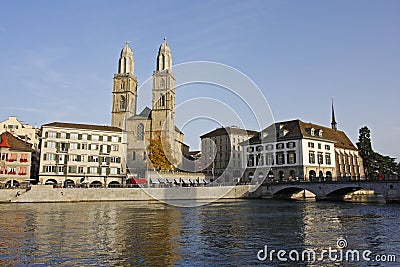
(193, 181)
(138, 181)
(161, 180)
(206, 181)
(170, 180)
(186, 181)
(154, 181)
(178, 181)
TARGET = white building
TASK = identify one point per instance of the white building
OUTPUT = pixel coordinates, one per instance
(23, 130)
(295, 150)
(82, 154)
(221, 153)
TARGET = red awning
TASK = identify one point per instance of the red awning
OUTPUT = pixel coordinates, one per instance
(138, 181)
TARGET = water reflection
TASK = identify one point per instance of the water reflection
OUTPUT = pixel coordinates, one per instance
(153, 234)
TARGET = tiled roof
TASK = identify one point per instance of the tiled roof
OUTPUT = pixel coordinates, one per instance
(83, 126)
(297, 129)
(145, 114)
(227, 131)
(16, 143)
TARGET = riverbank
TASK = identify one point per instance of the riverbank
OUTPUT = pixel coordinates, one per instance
(46, 193)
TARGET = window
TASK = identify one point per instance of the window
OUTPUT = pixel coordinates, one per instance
(50, 168)
(259, 148)
(74, 136)
(73, 146)
(122, 103)
(133, 155)
(259, 160)
(23, 158)
(291, 145)
(84, 146)
(114, 147)
(269, 147)
(280, 146)
(292, 157)
(93, 170)
(280, 159)
(63, 135)
(114, 139)
(319, 146)
(270, 159)
(310, 144)
(162, 83)
(76, 158)
(52, 134)
(327, 147)
(140, 131)
(250, 161)
(63, 147)
(94, 146)
(312, 131)
(328, 159)
(115, 159)
(250, 149)
(320, 158)
(51, 144)
(84, 137)
(114, 171)
(72, 169)
(80, 169)
(162, 101)
(95, 137)
(60, 169)
(311, 157)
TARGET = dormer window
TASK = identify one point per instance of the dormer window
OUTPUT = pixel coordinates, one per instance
(312, 131)
(282, 133)
(320, 133)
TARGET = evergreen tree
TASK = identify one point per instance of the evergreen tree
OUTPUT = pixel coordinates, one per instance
(366, 152)
(375, 164)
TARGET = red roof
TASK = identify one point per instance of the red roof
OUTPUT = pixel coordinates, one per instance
(4, 142)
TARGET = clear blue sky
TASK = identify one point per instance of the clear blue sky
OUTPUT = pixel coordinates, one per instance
(57, 58)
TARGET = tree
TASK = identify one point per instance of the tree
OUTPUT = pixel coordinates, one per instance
(365, 147)
(160, 154)
(375, 163)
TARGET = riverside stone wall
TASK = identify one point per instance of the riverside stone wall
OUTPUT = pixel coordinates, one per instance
(46, 193)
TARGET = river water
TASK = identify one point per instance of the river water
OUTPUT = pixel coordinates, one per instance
(227, 233)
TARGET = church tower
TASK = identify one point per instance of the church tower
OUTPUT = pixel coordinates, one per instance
(333, 123)
(124, 89)
(163, 95)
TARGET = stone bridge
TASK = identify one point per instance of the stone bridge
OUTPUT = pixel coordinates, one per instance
(390, 190)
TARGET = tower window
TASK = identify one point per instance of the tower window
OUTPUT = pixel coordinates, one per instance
(122, 104)
(162, 83)
(122, 85)
(140, 131)
(162, 101)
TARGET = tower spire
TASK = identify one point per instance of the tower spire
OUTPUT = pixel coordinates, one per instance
(333, 123)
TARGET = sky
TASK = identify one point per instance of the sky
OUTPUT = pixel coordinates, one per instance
(58, 58)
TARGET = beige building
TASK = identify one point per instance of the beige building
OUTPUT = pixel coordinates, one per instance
(222, 154)
(296, 150)
(23, 130)
(15, 161)
(82, 155)
(157, 122)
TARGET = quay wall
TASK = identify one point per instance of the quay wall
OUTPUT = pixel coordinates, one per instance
(46, 193)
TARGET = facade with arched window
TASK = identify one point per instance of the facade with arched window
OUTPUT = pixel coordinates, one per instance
(157, 121)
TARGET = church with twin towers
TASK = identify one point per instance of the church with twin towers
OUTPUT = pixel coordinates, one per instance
(149, 124)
